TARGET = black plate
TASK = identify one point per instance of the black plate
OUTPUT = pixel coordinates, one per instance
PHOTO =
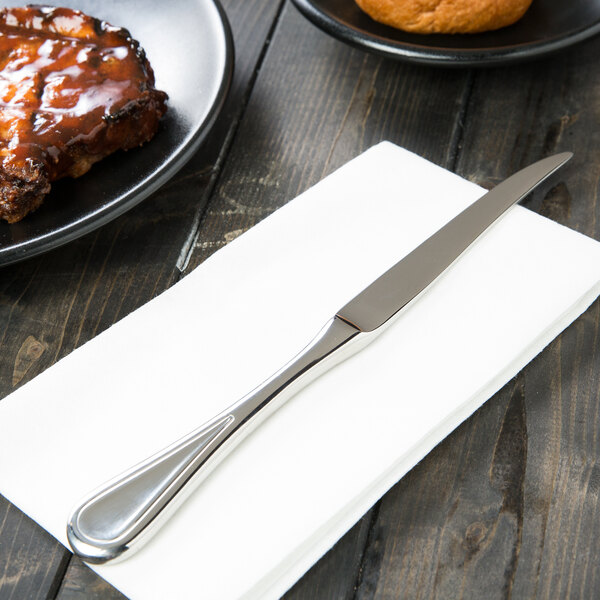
(548, 26)
(190, 48)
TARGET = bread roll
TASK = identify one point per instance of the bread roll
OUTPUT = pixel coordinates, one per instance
(445, 16)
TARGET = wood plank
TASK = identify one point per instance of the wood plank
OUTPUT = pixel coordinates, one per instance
(52, 304)
(31, 562)
(504, 506)
(292, 136)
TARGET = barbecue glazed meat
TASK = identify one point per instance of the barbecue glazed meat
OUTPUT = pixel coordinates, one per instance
(73, 89)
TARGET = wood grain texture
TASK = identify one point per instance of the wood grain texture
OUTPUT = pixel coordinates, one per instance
(31, 562)
(52, 304)
(81, 582)
(317, 104)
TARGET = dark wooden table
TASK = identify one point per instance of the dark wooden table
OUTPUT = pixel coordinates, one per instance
(508, 505)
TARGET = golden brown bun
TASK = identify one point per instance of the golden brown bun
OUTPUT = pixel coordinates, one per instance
(445, 16)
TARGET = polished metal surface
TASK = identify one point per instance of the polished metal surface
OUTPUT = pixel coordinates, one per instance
(118, 517)
(390, 292)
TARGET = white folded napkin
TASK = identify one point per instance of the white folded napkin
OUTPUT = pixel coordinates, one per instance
(290, 490)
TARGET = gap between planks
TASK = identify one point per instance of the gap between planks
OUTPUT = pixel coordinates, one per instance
(189, 244)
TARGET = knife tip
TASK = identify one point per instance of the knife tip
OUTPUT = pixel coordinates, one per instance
(552, 163)
(564, 157)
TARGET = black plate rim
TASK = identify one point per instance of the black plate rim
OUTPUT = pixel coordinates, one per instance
(440, 57)
(76, 229)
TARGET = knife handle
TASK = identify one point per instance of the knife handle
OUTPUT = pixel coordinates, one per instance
(123, 513)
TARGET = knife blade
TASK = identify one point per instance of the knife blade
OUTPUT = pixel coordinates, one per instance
(390, 292)
(122, 514)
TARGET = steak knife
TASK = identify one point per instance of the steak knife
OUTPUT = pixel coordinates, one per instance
(121, 515)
